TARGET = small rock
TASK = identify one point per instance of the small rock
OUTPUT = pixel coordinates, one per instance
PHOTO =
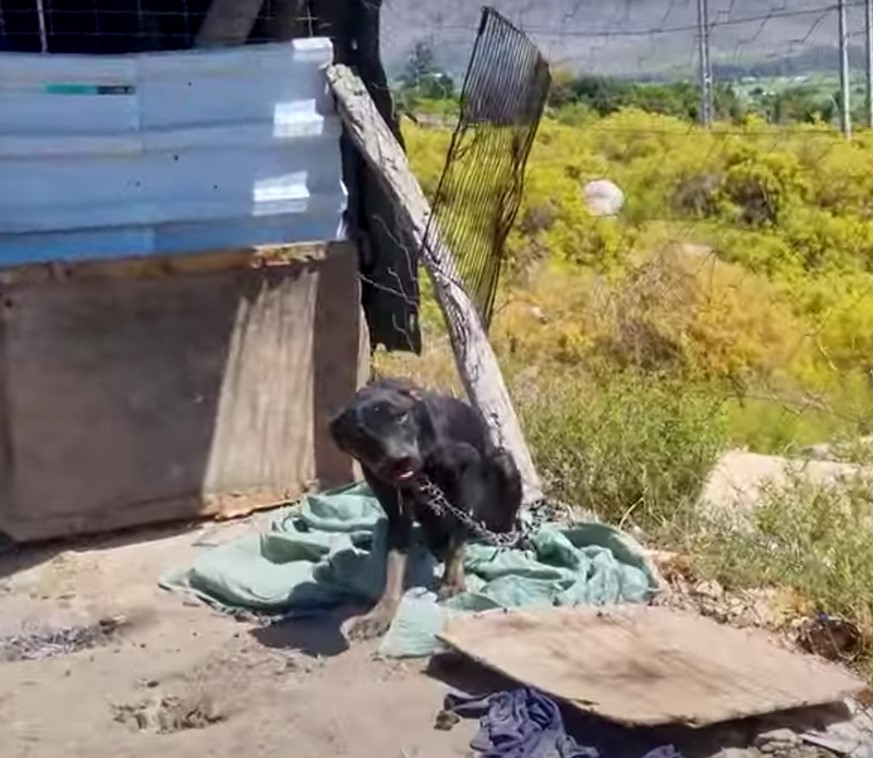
(709, 589)
(603, 197)
(777, 741)
(538, 314)
(445, 720)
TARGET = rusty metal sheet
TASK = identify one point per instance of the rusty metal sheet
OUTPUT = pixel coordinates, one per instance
(645, 666)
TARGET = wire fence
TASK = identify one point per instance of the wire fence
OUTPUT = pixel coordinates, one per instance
(645, 56)
(659, 38)
(112, 28)
(771, 189)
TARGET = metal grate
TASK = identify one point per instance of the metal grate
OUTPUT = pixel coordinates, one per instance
(480, 190)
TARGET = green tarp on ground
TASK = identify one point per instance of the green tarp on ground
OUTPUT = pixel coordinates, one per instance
(329, 549)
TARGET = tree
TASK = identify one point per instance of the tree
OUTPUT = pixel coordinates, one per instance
(420, 64)
(423, 78)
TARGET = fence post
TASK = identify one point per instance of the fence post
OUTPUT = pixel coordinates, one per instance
(845, 105)
(475, 359)
(868, 33)
(706, 105)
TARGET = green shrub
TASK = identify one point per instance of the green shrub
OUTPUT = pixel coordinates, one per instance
(634, 449)
(816, 539)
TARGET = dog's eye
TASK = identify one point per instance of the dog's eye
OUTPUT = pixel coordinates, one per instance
(403, 417)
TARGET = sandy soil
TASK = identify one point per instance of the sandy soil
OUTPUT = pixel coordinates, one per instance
(179, 680)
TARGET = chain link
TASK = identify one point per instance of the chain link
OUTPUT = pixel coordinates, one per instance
(432, 496)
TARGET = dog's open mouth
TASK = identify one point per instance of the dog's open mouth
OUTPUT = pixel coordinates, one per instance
(402, 470)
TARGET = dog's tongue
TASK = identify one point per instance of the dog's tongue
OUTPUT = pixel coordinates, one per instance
(402, 471)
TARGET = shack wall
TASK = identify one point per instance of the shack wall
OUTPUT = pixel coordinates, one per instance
(154, 389)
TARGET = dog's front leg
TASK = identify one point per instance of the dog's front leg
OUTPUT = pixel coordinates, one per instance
(376, 622)
(453, 581)
(462, 479)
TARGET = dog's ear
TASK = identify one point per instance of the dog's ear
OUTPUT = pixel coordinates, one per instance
(342, 426)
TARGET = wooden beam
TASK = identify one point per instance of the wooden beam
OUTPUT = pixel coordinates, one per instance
(228, 22)
(151, 266)
(475, 359)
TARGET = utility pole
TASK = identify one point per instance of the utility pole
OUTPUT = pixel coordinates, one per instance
(845, 105)
(705, 66)
(868, 32)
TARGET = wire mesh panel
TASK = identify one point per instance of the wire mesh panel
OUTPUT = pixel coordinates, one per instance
(113, 27)
(479, 193)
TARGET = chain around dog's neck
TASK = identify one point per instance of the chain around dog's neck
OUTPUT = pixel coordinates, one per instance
(432, 496)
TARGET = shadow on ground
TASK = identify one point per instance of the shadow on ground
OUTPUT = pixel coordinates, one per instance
(317, 637)
(16, 557)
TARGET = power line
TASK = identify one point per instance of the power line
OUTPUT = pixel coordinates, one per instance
(603, 33)
(782, 133)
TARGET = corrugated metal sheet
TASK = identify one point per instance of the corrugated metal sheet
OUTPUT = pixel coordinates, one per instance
(167, 153)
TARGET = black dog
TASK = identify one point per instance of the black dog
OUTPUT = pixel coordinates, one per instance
(400, 434)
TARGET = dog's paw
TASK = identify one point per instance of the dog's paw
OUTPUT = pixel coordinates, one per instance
(450, 589)
(368, 627)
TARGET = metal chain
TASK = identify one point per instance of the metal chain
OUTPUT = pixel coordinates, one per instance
(433, 498)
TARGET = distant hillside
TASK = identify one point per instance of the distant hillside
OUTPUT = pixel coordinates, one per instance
(633, 37)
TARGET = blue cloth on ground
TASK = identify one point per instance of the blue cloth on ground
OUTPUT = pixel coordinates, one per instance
(525, 723)
(330, 549)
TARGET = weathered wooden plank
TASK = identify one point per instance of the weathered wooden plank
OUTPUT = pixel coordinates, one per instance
(476, 361)
(645, 666)
(5, 428)
(199, 388)
(171, 265)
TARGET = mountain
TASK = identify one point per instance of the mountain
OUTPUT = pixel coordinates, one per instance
(630, 37)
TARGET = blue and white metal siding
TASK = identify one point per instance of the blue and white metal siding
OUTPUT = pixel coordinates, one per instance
(167, 153)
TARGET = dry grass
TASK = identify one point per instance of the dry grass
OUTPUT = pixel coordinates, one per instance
(815, 540)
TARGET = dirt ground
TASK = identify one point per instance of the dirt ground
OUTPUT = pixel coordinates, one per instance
(179, 680)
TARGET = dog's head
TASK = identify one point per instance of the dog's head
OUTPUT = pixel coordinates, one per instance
(380, 428)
